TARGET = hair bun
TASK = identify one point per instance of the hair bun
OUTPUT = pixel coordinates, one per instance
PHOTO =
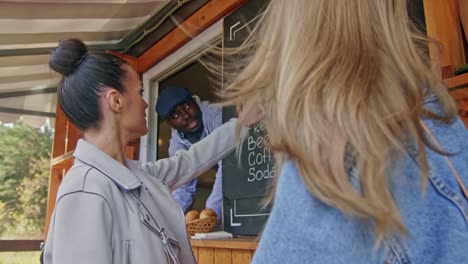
(67, 56)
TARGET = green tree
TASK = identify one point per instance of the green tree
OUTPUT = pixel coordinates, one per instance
(24, 173)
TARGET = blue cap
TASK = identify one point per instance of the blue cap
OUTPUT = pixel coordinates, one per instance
(169, 98)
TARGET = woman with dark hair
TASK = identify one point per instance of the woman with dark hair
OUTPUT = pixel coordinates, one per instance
(110, 209)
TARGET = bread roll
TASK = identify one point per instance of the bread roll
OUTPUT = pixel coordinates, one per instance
(191, 216)
(208, 213)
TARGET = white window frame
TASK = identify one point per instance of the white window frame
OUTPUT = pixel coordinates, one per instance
(179, 59)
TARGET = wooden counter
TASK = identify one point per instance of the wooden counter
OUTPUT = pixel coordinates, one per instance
(224, 251)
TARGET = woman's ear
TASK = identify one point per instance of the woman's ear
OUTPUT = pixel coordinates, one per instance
(114, 100)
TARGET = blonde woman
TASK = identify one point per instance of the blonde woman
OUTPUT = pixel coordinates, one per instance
(373, 157)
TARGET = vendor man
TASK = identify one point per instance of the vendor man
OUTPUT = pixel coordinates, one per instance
(190, 120)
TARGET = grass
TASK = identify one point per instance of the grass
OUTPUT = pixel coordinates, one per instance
(28, 257)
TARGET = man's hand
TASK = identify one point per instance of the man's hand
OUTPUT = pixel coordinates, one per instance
(249, 115)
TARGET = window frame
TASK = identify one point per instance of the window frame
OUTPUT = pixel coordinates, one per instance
(178, 60)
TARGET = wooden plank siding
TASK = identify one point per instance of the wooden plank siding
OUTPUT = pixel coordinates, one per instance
(222, 256)
(224, 251)
(58, 145)
(443, 24)
(240, 256)
(72, 137)
(458, 87)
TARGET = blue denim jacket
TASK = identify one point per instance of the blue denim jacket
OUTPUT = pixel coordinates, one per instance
(302, 229)
(184, 195)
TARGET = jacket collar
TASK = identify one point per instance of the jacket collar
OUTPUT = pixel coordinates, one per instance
(95, 157)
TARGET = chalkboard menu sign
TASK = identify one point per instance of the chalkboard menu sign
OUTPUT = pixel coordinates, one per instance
(245, 178)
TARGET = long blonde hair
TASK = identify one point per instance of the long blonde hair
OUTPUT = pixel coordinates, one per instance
(334, 75)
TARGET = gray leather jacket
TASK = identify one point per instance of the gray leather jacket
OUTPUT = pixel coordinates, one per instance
(106, 212)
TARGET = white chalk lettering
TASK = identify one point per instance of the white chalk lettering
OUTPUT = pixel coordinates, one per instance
(259, 158)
